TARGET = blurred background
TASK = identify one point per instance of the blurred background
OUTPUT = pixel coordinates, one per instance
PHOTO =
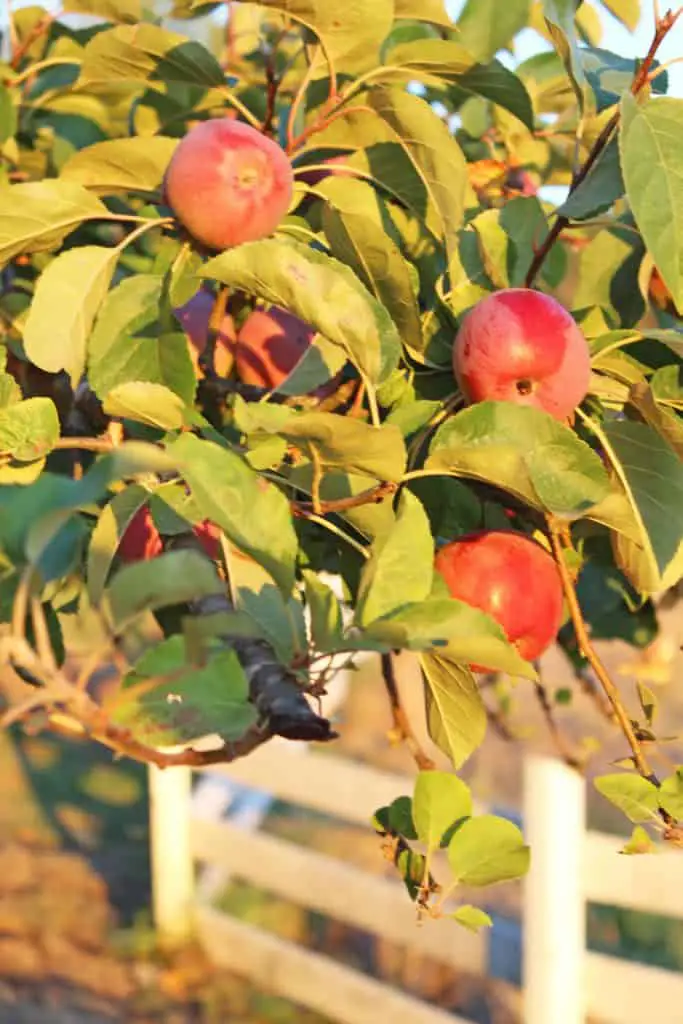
(76, 939)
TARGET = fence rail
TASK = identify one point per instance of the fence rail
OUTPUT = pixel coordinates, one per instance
(563, 982)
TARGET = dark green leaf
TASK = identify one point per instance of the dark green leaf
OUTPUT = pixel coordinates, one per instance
(253, 513)
(147, 53)
(166, 701)
(400, 567)
(173, 578)
(599, 190)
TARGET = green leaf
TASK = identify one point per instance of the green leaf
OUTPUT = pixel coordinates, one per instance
(128, 343)
(559, 17)
(636, 797)
(113, 10)
(321, 291)
(640, 842)
(67, 298)
(464, 634)
(526, 452)
(350, 38)
(651, 476)
(671, 794)
(487, 26)
(135, 164)
(439, 801)
(185, 701)
(349, 444)
(147, 53)
(599, 190)
(667, 424)
(366, 247)
(610, 75)
(456, 717)
(472, 918)
(423, 10)
(433, 152)
(37, 215)
(626, 11)
(327, 624)
(109, 529)
(173, 578)
(152, 404)
(651, 155)
(487, 850)
(279, 617)
(29, 430)
(400, 815)
(253, 513)
(401, 565)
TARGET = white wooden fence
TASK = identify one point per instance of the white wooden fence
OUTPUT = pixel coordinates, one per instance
(563, 983)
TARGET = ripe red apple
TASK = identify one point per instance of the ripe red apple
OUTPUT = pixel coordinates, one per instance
(141, 540)
(519, 345)
(194, 318)
(512, 578)
(228, 184)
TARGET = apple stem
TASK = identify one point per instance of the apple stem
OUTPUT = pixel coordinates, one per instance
(402, 726)
(640, 760)
(663, 26)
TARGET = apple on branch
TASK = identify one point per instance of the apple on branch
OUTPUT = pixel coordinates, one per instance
(141, 540)
(513, 579)
(519, 345)
(227, 183)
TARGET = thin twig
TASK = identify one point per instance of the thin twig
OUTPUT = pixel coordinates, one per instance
(662, 28)
(373, 496)
(564, 749)
(402, 727)
(591, 655)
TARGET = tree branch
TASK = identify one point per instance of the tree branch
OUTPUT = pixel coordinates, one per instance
(402, 727)
(662, 28)
(589, 652)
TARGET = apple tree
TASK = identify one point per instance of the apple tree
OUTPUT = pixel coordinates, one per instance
(301, 359)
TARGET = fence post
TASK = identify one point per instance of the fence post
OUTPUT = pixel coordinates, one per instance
(554, 905)
(170, 792)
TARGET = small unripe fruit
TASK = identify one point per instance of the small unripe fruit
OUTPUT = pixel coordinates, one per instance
(228, 184)
(141, 540)
(270, 345)
(513, 579)
(194, 318)
(519, 345)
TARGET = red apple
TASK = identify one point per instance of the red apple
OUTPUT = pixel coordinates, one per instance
(513, 579)
(141, 540)
(194, 318)
(519, 345)
(228, 184)
(270, 345)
